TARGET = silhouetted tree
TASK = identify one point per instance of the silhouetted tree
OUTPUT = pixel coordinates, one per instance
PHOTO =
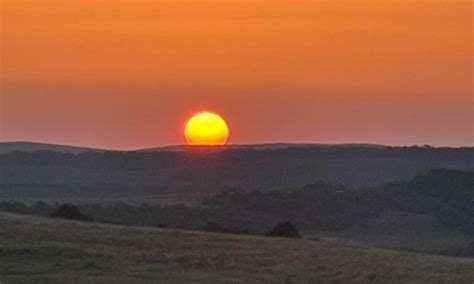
(70, 211)
(285, 229)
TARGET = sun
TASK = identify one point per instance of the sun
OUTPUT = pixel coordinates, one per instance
(206, 129)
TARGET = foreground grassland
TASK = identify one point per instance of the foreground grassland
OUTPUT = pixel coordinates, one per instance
(42, 250)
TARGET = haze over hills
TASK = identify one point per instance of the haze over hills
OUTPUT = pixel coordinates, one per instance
(269, 146)
(80, 173)
(405, 198)
(433, 213)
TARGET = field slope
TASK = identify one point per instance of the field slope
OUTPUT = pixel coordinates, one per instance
(43, 250)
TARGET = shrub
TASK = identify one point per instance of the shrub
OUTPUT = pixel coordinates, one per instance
(69, 211)
(284, 229)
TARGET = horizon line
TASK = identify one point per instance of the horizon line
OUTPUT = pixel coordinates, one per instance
(99, 148)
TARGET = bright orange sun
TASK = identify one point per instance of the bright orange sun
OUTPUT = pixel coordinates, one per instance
(206, 129)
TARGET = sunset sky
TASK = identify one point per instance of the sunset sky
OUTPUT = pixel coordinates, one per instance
(127, 74)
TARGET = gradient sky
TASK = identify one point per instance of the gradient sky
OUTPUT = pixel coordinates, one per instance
(126, 74)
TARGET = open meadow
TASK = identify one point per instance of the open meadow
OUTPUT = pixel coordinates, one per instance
(46, 250)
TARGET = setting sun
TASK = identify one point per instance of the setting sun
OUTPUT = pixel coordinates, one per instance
(206, 129)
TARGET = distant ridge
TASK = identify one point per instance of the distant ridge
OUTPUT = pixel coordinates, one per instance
(24, 146)
(252, 167)
(8, 147)
(268, 146)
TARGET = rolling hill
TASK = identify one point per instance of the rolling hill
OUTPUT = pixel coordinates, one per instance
(149, 174)
(9, 147)
(432, 213)
(44, 250)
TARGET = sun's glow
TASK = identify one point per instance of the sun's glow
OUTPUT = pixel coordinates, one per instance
(206, 129)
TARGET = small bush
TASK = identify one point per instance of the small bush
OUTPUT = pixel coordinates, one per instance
(69, 211)
(284, 229)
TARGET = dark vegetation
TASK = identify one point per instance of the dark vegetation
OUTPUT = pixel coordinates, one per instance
(284, 229)
(126, 175)
(70, 211)
(345, 191)
(444, 194)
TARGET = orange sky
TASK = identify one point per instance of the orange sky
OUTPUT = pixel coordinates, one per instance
(126, 74)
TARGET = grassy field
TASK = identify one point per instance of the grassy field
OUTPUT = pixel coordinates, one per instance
(43, 250)
(403, 231)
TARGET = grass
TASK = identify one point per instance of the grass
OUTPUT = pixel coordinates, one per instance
(44, 250)
(404, 231)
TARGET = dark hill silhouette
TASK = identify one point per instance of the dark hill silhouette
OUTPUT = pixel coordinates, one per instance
(202, 170)
(9, 147)
(269, 146)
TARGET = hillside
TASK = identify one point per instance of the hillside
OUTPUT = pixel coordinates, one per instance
(200, 171)
(432, 213)
(9, 147)
(260, 147)
(43, 250)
